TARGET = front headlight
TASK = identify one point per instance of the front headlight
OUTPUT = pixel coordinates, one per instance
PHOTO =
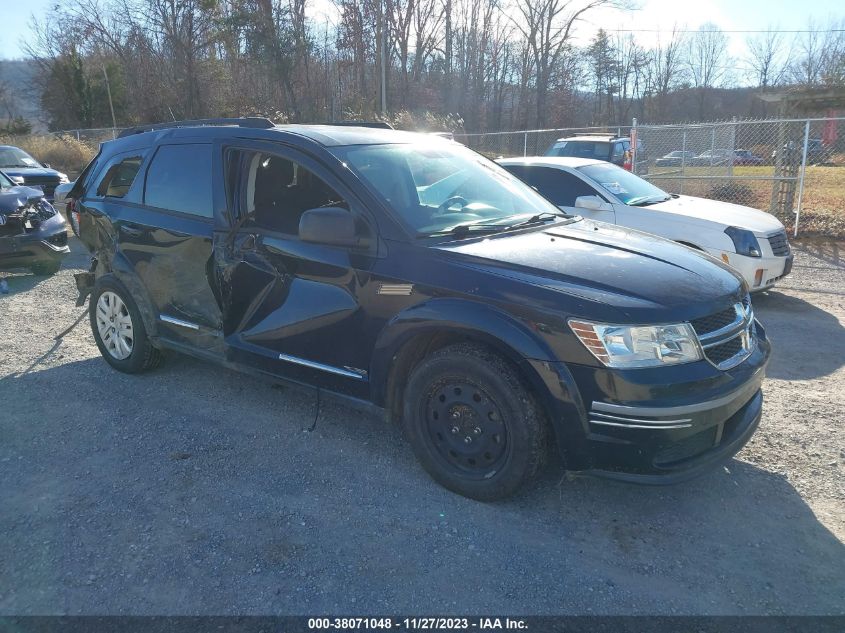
(63, 179)
(744, 241)
(632, 346)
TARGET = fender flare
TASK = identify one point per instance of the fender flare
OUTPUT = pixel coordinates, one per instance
(548, 378)
(459, 316)
(116, 266)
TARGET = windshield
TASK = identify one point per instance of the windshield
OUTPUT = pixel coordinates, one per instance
(629, 188)
(14, 157)
(581, 149)
(437, 185)
(5, 182)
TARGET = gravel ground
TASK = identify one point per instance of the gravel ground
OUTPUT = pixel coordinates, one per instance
(197, 490)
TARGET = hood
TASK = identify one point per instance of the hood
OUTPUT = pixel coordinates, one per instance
(30, 172)
(726, 213)
(635, 272)
(14, 198)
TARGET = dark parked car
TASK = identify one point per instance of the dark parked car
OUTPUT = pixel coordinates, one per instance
(607, 147)
(712, 158)
(675, 159)
(746, 157)
(792, 151)
(32, 234)
(25, 170)
(413, 276)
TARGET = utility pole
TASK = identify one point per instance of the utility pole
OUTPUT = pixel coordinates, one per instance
(111, 105)
(383, 5)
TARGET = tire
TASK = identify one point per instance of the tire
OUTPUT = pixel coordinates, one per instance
(46, 268)
(472, 424)
(126, 349)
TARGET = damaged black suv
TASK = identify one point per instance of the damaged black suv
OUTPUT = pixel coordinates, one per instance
(412, 275)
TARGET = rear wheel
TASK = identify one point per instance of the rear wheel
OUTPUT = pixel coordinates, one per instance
(119, 330)
(472, 423)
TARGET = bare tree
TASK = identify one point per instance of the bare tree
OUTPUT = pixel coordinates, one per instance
(548, 26)
(707, 61)
(766, 58)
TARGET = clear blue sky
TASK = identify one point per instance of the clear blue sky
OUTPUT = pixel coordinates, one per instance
(661, 14)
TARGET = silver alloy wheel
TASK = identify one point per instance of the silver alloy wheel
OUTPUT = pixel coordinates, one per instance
(114, 324)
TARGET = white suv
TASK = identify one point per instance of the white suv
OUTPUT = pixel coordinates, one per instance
(751, 241)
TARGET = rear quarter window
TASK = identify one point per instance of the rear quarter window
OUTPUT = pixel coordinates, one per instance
(119, 176)
(180, 179)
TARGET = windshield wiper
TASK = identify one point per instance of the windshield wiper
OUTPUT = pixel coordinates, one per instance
(461, 230)
(644, 201)
(536, 219)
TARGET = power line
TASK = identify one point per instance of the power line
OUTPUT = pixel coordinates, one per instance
(773, 31)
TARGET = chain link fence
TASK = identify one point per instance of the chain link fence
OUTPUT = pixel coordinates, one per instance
(92, 136)
(784, 166)
(529, 142)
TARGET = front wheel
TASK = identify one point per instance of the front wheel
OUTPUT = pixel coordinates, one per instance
(472, 424)
(119, 330)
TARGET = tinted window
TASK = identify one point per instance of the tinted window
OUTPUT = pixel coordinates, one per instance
(180, 178)
(279, 191)
(558, 186)
(618, 152)
(119, 176)
(581, 149)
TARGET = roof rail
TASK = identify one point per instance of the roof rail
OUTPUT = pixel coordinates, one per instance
(383, 125)
(251, 122)
(614, 134)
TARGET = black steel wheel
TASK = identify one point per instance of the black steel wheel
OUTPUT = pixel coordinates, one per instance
(473, 424)
(466, 427)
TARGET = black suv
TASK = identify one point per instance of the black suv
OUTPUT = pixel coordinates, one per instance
(599, 146)
(408, 273)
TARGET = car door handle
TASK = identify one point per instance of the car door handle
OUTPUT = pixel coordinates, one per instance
(131, 229)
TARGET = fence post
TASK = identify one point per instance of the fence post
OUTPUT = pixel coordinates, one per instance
(525, 145)
(683, 161)
(634, 145)
(801, 179)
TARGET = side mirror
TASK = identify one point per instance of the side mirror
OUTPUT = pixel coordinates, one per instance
(592, 203)
(328, 225)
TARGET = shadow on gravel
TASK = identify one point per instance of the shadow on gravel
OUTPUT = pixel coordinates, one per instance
(196, 489)
(827, 250)
(807, 341)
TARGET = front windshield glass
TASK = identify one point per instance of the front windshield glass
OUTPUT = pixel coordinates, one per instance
(5, 182)
(629, 188)
(14, 157)
(436, 186)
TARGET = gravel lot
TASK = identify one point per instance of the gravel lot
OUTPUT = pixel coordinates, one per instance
(197, 490)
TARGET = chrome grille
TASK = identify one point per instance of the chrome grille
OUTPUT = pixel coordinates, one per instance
(779, 244)
(714, 322)
(720, 353)
(727, 337)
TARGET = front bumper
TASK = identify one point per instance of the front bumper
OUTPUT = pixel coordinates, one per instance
(659, 425)
(24, 251)
(773, 269)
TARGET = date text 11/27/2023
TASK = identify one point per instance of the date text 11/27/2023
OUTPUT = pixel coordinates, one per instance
(417, 624)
